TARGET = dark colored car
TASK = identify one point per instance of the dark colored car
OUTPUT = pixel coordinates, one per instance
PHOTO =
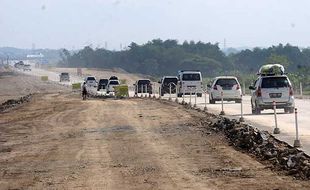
(113, 78)
(165, 83)
(146, 83)
(102, 84)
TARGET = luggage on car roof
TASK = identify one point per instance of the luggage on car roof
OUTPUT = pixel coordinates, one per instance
(271, 69)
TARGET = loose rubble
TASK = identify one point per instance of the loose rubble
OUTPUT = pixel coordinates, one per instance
(14, 102)
(265, 147)
(277, 155)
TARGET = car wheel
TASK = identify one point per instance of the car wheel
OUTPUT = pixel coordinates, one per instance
(199, 94)
(257, 110)
(211, 101)
(291, 110)
(179, 95)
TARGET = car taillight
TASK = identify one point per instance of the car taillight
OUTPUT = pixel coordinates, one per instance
(215, 87)
(258, 92)
(291, 91)
(238, 86)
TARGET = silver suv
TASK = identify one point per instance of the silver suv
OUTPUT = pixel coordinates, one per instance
(269, 89)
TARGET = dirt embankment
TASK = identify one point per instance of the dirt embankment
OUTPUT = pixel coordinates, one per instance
(16, 85)
(60, 142)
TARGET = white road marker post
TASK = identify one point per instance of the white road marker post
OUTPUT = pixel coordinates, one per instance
(176, 93)
(146, 91)
(205, 108)
(297, 143)
(241, 118)
(154, 92)
(195, 104)
(170, 92)
(141, 91)
(276, 129)
(222, 101)
(190, 97)
(183, 96)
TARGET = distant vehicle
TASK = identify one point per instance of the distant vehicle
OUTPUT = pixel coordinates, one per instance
(26, 67)
(230, 87)
(111, 85)
(165, 85)
(64, 77)
(19, 65)
(190, 81)
(91, 81)
(102, 84)
(143, 83)
(113, 78)
(271, 86)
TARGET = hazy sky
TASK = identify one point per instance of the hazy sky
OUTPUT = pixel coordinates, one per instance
(76, 23)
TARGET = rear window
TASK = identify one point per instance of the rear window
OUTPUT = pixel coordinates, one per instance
(64, 74)
(226, 82)
(114, 82)
(103, 81)
(91, 78)
(170, 80)
(275, 82)
(143, 82)
(191, 77)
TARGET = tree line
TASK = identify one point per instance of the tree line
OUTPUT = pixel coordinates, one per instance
(158, 58)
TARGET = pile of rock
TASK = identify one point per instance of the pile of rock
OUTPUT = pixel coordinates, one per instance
(265, 147)
(14, 102)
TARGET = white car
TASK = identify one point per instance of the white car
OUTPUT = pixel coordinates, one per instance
(269, 89)
(189, 82)
(226, 86)
(111, 85)
(91, 81)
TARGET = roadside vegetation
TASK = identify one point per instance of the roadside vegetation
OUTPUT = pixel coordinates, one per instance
(158, 58)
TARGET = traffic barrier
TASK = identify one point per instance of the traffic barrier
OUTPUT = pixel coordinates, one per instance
(297, 143)
(44, 78)
(222, 102)
(241, 118)
(205, 108)
(121, 91)
(195, 104)
(276, 129)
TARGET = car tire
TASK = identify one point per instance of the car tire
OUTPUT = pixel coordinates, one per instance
(257, 110)
(179, 95)
(211, 101)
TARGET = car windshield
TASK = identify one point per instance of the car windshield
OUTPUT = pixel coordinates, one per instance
(226, 82)
(114, 82)
(275, 82)
(91, 78)
(143, 82)
(191, 77)
(170, 80)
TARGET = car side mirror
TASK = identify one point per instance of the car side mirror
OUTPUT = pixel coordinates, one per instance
(251, 87)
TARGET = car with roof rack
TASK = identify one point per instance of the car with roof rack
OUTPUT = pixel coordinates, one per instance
(272, 86)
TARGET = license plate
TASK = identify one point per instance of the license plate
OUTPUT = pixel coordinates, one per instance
(275, 95)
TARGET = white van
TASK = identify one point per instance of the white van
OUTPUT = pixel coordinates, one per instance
(190, 81)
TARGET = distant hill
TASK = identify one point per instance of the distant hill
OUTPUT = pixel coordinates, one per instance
(50, 55)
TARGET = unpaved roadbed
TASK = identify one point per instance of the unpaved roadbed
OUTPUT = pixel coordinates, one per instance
(58, 141)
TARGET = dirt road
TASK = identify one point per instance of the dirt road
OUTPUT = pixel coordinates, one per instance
(60, 142)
